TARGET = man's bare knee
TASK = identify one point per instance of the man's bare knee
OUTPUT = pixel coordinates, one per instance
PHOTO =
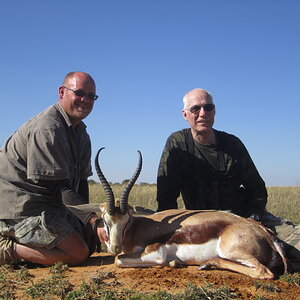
(80, 256)
(74, 248)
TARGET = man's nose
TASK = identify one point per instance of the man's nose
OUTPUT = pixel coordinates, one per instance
(202, 111)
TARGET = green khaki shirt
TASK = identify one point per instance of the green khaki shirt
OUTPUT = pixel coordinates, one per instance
(45, 149)
(221, 176)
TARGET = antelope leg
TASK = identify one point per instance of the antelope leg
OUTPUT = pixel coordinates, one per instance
(254, 270)
(153, 255)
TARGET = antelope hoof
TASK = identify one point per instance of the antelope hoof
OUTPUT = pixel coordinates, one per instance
(175, 264)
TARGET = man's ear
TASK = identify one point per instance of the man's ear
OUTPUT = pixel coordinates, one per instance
(61, 91)
(184, 114)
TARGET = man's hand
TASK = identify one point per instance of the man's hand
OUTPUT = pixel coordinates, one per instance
(102, 234)
(98, 226)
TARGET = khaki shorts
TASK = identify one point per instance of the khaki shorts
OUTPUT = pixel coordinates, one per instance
(46, 230)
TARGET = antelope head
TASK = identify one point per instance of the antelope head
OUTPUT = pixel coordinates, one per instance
(116, 215)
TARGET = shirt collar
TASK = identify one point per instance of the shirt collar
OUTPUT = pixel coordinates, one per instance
(66, 117)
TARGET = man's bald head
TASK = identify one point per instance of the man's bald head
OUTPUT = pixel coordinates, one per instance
(196, 93)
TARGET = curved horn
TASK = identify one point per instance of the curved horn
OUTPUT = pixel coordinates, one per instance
(128, 187)
(110, 199)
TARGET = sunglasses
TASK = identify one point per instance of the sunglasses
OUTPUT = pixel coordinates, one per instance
(82, 94)
(196, 108)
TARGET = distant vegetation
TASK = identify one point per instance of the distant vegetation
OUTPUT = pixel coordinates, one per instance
(283, 202)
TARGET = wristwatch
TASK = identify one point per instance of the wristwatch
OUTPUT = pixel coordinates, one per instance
(256, 217)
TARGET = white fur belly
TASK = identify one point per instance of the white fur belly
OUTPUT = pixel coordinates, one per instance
(192, 254)
(187, 254)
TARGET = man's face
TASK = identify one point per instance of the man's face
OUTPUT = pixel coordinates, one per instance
(201, 120)
(77, 107)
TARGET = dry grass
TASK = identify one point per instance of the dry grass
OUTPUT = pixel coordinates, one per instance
(143, 195)
(283, 202)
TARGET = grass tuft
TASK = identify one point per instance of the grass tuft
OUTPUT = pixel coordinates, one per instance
(291, 279)
(56, 285)
(269, 287)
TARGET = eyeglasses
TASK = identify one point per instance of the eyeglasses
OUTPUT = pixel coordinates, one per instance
(196, 108)
(81, 93)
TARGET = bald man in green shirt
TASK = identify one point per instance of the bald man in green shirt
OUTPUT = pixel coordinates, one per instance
(44, 167)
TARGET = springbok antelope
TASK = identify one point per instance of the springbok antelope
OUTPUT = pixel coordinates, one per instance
(174, 237)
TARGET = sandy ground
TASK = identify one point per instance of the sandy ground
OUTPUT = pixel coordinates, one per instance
(168, 279)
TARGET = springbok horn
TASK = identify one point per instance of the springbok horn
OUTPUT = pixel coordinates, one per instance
(110, 199)
(128, 187)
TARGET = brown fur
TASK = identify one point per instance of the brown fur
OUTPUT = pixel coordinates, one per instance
(235, 243)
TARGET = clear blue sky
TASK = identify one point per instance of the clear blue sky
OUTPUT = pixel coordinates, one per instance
(144, 55)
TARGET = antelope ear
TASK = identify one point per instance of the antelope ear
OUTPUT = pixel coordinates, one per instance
(140, 210)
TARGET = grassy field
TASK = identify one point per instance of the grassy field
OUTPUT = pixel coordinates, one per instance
(283, 202)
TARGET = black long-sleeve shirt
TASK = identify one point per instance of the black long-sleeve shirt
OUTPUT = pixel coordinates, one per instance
(221, 176)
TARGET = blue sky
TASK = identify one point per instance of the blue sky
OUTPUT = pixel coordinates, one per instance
(144, 56)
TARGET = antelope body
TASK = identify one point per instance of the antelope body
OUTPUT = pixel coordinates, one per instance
(186, 237)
